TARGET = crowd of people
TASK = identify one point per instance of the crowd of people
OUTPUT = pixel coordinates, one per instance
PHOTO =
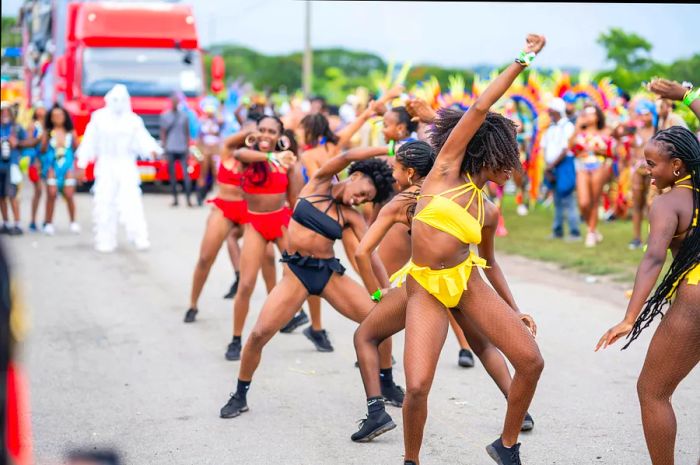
(388, 183)
(308, 178)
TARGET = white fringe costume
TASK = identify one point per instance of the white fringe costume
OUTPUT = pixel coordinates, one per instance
(114, 137)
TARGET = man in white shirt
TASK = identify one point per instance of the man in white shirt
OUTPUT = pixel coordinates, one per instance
(560, 171)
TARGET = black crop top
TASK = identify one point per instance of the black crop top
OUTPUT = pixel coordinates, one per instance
(319, 221)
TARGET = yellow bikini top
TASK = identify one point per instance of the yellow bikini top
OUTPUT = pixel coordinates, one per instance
(446, 215)
(697, 213)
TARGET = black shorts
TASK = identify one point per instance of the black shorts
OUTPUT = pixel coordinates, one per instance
(314, 273)
(7, 189)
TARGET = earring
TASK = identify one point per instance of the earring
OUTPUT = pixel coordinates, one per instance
(250, 140)
(283, 143)
(410, 180)
(676, 173)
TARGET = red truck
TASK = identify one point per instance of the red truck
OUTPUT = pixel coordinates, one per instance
(88, 47)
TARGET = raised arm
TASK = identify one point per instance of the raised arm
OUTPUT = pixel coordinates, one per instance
(237, 140)
(285, 158)
(338, 163)
(675, 91)
(663, 222)
(450, 157)
(345, 134)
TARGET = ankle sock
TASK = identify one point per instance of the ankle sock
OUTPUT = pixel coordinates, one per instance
(236, 339)
(386, 376)
(242, 389)
(375, 405)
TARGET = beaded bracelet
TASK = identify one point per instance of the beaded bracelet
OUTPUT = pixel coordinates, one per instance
(390, 148)
(525, 59)
(377, 295)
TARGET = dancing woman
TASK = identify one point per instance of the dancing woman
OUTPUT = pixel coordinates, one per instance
(413, 162)
(323, 210)
(230, 210)
(450, 212)
(673, 158)
(267, 189)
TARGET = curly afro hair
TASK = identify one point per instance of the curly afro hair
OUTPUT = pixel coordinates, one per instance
(380, 173)
(493, 145)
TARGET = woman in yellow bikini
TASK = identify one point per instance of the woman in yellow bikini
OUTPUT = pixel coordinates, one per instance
(673, 159)
(473, 147)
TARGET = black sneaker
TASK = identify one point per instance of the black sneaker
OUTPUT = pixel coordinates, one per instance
(528, 423)
(234, 407)
(297, 320)
(16, 231)
(191, 315)
(319, 338)
(466, 358)
(233, 352)
(232, 291)
(503, 455)
(393, 394)
(373, 426)
(4, 229)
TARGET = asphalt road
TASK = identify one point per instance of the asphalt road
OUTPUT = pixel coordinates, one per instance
(111, 364)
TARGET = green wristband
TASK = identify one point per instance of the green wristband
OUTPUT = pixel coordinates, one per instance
(525, 59)
(691, 96)
(377, 295)
(391, 146)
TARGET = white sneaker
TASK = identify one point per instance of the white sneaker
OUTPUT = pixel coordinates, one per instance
(598, 237)
(522, 210)
(49, 229)
(75, 228)
(105, 248)
(591, 239)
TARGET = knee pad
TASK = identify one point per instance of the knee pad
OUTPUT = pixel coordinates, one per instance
(70, 182)
(52, 182)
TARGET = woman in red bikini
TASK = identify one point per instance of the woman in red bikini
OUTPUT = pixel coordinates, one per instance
(267, 189)
(230, 212)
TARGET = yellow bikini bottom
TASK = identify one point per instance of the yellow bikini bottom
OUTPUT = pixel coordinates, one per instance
(693, 277)
(446, 285)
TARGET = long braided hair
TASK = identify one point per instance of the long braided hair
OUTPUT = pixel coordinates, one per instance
(493, 146)
(676, 142)
(420, 156)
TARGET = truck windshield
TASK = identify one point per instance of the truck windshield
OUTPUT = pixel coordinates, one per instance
(146, 72)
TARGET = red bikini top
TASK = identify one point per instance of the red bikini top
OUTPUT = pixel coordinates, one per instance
(229, 176)
(276, 180)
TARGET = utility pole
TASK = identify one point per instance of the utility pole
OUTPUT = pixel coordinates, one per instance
(307, 72)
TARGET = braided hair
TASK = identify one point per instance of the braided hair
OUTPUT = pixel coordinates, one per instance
(405, 119)
(420, 156)
(257, 172)
(379, 173)
(317, 126)
(677, 142)
(493, 146)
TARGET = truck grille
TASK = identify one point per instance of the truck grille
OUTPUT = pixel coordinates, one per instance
(152, 123)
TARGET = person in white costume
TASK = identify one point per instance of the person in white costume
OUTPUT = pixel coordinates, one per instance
(114, 137)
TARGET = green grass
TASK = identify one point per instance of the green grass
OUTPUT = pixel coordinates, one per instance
(529, 236)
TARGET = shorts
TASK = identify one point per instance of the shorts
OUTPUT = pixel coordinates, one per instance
(314, 273)
(235, 211)
(7, 189)
(270, 224)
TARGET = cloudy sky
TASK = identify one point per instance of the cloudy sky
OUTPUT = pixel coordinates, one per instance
(447, 34)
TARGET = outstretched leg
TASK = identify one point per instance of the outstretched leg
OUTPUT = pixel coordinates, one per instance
(426, 330)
